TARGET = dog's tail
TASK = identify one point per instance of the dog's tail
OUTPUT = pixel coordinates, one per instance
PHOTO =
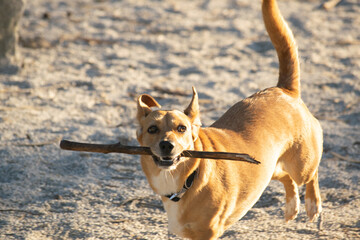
(285, 45)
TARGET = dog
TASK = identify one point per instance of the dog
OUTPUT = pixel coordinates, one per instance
(204, 197)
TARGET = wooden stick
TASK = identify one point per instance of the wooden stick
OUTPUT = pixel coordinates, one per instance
(119, 148)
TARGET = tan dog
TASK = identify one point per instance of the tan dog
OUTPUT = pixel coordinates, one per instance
(203, 197)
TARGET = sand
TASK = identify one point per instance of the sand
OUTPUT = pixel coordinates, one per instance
(83, 64)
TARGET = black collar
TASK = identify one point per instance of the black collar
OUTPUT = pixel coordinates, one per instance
(188, 183)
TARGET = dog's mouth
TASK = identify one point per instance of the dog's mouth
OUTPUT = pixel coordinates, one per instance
(166, 161)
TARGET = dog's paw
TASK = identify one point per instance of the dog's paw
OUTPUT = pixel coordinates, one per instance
(292, 208)
(313, 208)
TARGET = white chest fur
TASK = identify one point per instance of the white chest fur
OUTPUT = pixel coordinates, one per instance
(166, 182)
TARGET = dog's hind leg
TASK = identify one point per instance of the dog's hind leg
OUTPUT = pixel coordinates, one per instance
(312, 198)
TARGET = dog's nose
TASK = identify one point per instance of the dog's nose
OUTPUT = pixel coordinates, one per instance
(166, 147)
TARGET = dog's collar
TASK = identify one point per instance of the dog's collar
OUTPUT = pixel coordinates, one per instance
(175, 197)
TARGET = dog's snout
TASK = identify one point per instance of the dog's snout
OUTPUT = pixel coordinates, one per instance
(166, 147)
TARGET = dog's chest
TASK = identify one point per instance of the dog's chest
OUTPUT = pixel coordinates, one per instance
(165, 183)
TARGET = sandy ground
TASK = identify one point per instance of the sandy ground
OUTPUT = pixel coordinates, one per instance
(84, 62)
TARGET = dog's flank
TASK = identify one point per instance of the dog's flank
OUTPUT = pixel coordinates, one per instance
(274, 126)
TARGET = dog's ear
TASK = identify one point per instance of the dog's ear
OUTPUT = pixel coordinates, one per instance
(193, 112)
(144, 104)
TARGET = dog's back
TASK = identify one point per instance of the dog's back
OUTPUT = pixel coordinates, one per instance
(276, 114)
(275, 123)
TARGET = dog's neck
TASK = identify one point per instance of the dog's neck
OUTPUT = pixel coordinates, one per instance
(165, 182)
(175, 197)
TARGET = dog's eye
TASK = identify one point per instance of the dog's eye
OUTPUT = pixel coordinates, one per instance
(153, 129)
(181, 128)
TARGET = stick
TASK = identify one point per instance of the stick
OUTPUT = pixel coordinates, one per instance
(119, 148)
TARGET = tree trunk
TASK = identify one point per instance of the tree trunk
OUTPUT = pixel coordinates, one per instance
(10, 14)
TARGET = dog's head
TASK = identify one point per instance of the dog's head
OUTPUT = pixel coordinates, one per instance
(167, 133)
